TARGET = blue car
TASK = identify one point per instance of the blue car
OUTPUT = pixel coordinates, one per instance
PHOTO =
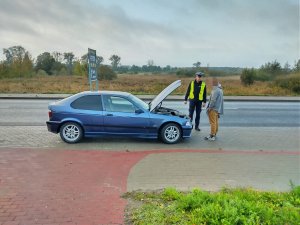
(112, 113)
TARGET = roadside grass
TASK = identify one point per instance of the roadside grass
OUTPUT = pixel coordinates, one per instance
(227, 207)
(136, 84)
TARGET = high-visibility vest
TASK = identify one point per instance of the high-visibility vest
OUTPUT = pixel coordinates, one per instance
(191, 96)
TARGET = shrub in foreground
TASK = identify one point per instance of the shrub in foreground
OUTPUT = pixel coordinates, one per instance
(229, 206)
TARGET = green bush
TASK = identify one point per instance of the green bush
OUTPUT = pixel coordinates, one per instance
(248, 76)
(106, 73)
(4, 70)
(63, 71)
(291, 82)
(41, 73)
(262, 76)
(171, 194)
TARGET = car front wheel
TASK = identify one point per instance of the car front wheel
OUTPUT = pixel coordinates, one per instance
(71, 132)
(170, 133)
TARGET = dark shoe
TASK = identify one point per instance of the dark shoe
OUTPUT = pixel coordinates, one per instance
(197, 129)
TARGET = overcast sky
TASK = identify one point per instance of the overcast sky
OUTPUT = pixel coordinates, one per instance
(240, 33)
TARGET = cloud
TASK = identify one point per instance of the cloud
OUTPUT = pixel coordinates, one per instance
(221, 33)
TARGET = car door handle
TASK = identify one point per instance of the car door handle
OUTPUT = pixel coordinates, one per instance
(109, 114)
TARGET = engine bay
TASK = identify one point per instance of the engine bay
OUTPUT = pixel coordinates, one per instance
(167, 111)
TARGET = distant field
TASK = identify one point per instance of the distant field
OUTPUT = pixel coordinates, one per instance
(137, 84)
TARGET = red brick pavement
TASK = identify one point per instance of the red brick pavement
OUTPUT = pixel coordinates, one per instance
(63, 187)
(70, 187)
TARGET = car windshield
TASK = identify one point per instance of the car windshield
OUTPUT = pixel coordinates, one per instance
(139, 102)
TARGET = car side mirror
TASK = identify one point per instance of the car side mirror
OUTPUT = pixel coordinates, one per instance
(139, 111)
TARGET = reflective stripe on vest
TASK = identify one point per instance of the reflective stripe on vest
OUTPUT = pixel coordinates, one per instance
(191, 96)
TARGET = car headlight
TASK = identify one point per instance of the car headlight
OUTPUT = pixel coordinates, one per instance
(188, 124)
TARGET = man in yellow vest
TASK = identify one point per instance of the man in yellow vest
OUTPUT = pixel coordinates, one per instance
(196, 93)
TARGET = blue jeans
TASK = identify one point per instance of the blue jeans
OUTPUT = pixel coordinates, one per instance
(198, 106)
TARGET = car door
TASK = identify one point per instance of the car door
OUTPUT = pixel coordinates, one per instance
(88, 110)
(122, 117)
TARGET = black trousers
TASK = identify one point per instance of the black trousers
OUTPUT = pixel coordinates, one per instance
(195, 105)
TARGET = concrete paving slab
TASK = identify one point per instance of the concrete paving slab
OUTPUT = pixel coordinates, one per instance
(229, 138)
(211, 171)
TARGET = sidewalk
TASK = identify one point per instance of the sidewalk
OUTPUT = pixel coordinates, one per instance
(229, 138)
(46, 181)
(265, 158)
(61, 187)
(150, 97)
(212, 169)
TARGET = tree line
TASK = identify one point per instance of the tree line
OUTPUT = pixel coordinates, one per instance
(268, 71)
(18, 62)
(283, 77)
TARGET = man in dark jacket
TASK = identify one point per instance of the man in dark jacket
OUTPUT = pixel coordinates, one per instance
(196, 93)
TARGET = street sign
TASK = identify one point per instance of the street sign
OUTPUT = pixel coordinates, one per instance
(92, 61)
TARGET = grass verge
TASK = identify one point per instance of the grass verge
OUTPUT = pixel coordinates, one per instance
(229, 206)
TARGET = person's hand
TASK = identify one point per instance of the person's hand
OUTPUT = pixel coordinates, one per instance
(203, 104)
(185, 102)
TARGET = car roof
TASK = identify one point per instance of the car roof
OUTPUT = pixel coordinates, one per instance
(104, 93)
(84, 93)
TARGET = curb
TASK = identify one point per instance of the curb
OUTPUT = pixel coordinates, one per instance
(150, 97)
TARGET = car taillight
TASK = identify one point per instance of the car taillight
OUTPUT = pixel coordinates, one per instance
(50, 114)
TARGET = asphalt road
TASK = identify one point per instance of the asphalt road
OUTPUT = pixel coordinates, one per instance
(21, 112)
(252, 114)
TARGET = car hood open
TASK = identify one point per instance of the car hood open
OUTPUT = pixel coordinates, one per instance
(162, 95)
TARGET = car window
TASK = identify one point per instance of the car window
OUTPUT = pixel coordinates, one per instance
(88, 102)
(143, 105)
(118, 104)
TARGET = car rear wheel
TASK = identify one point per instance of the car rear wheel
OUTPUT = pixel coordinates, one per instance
(170, 133)
(71, 132)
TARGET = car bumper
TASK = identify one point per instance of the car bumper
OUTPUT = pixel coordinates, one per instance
(187, 132)
(53, 126)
